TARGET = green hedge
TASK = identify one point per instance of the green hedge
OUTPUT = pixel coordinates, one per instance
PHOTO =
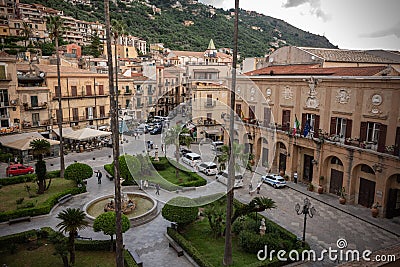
(128, 260)
(189, 248)
(160, 165)
(27, 178)
(91, 245)
(78, 172)
(44, 208)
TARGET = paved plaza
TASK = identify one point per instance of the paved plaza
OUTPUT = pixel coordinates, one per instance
(332, 221)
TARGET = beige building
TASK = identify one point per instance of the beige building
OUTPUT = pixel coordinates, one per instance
(348, 128)
(9, 110)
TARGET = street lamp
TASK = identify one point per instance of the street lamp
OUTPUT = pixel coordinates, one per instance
(307, 210)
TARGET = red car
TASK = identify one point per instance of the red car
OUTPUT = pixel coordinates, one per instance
(18, 169)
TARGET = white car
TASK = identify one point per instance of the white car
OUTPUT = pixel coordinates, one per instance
(191, 159)
(223, 178)
(274, 180)
(208, 168)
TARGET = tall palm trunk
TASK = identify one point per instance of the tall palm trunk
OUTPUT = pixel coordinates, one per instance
(60, 113)
(71, 240)
(231, 167)
(115, 139)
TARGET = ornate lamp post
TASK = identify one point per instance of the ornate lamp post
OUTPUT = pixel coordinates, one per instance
(307, 210)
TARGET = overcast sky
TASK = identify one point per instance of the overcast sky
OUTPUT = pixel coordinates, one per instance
(351, 24)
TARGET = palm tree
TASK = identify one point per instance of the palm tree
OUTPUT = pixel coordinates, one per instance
(73, 220)
(40, 147)
(26, 31)
(118, 29)
(60, 246)
(56, 29)
(177, 136)
(231, 168)
(115, 134)
(257, 204)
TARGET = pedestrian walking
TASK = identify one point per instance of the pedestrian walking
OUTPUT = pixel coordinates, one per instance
(258, 188)
(250, 188)
(295, 177)
(162, 147)
(157, 189)
(99, 175)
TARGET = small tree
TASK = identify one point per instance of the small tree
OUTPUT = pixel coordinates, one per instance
(60, 244)
(257, 204)
(78, 172)
(181, 210)
(216, 218)
(40, 147)
(105, 222)
(72, 220)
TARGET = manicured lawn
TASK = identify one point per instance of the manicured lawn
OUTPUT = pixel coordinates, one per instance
(43, 257)
(201, 237)
(10, 193)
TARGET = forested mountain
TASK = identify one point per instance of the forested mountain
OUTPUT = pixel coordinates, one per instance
(189, 25)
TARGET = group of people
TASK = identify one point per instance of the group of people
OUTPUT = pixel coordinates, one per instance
(257, 189)
(145, 185)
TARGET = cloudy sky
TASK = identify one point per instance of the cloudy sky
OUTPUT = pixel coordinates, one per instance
(351, 24)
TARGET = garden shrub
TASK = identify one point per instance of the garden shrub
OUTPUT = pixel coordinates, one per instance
(245, 223)
(181, 210)
(129, 166)
(53, 174)
(78, 172)
(18, 179)
(160, 165)
(109, 168)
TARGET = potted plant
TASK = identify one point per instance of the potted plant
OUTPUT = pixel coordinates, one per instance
(310, 187)
(342, 196)
(320, 187)
(375, 210)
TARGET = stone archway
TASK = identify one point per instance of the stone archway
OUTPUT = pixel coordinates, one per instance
(262, 151)
(280, 159)
(362, 185)
(392, 199)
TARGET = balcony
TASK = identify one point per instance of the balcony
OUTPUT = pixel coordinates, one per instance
(38, 107)
(210, 104)
(127, 92)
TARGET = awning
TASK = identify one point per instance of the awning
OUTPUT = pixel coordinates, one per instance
(82, 134)
(22, 141)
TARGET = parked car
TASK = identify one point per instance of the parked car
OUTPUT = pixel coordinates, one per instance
(274, 180)
(184, 151)
(18, 169)
(191, 159)
(223, 178)
(208, 168)
(217, 145)
(156, 130)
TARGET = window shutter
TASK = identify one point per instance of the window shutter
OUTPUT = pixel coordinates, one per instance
(303, 121)
(382, 138)
(333, 125)
(349, 125)
(87, 113)
(285, 120)
(316, 126)
(363, 131)
(397, 142)
(94, 112)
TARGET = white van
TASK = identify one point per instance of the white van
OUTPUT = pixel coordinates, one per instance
(222, 177)
(191, 159)
(216, 146)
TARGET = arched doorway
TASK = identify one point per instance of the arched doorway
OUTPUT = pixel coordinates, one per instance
(335, 174)
(282, 156)
(393, 196)
(262, 152)
(364, 188)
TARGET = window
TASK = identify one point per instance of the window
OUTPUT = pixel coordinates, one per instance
(150, 89)
(336, 161)
(267, 117)
(89, 113)
(88, 90)
(101, 89)
(209, 101)
(34, 101)
(75, 114)
(57, 93)
(102, 112)
(139, 102)
(239, 110)
(127, 102)
(341, 127)
(251, 112)
(311, 121)
(127, 89)
(372, 132)
(285, 120)
(35, 119)
(3, 72)
(74, 91)
(367, 169)
(58, 115)
(150, 100)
